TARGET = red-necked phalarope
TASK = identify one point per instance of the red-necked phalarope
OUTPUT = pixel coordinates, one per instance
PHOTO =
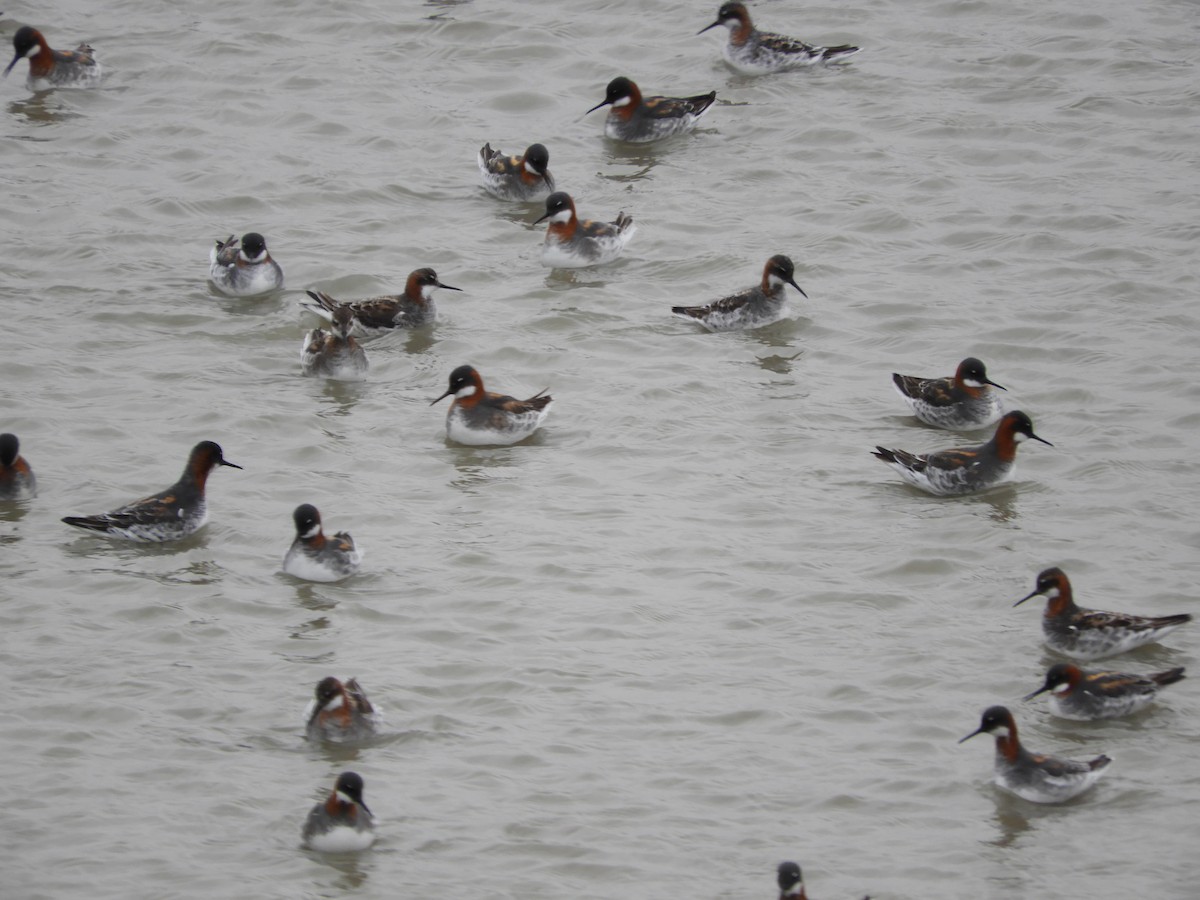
(1082, 695)
(246, 270)
(752, 308)
(342, 823)
(1092, 633)
(482, 418)
(572, 244)
(761, 52)
(339, 712)
(335, 353)
(53, 68)
(315, 557)
(791, 882)
(378, 315)
(516, 177)
(962, 402)
(1035, 776)
(17, 481)
(639, 120)
(169, 515)
(966, 470)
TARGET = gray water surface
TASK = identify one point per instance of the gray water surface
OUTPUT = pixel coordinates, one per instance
(690, 629)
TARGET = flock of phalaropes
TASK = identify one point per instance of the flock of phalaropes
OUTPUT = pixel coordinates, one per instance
(968, 400)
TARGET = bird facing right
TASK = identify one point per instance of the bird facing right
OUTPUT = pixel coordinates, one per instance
(962, 402)
(526, 177)
(969, 469)
(762, 304)
(372, 317)
(169, 515)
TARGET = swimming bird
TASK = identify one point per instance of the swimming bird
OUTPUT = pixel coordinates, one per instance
(969, 469)
(340, 712)
(761, 52)
(48, 68)
(169, 515)
(246, 270)
(343, 823)
(335, 353)
(639, 120)
(962, 402)
(791, 882)
(1092, 633)
(1082, 695)
(573, 244)
(315, 557)
(378, 315)
(525, 177)
(754, 307)
(481, 418)
(17, 481)
(1033, 776)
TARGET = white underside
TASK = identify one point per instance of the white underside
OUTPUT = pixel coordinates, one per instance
(244, 281)
(521, 427)
(1051, 789)
(329, 567)
(950, 484)
(585, 251)
(342, 840)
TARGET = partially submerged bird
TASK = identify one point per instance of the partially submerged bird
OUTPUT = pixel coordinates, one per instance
(17, 481)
